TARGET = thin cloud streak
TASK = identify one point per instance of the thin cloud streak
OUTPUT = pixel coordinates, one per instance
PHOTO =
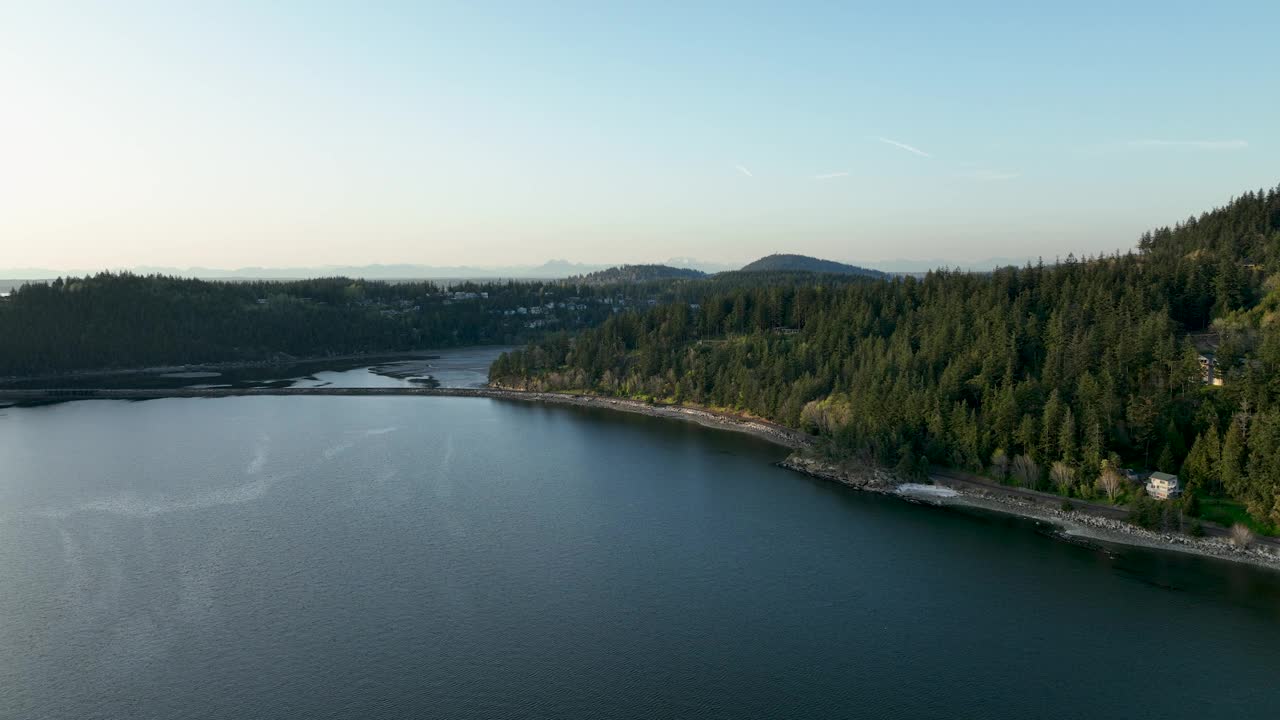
(1189, 144)
(743, 170)
(904, 146)
(828, 176)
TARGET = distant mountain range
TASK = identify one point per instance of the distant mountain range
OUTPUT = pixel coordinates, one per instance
(552, 269)
(548, 270)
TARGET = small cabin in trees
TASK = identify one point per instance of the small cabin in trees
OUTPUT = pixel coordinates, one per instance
(1209, 369)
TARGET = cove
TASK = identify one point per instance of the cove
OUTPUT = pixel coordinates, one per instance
(472, 558)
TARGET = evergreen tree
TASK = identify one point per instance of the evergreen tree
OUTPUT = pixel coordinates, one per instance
(1231, 470)
(1067, 438)
(1051, 422)
(1200, 470)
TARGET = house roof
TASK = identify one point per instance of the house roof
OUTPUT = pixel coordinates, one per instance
(1164, 476)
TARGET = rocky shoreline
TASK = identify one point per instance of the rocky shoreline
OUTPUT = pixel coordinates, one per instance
(772, 432)
(1071, 524)
(1077, 524)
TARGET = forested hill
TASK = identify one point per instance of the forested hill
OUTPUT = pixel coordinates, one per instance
(637, 273)
(1019, 371)
(124, 320)
(1247, 230)
(804, 263)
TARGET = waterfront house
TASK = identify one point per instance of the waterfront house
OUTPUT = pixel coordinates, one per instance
(1163, 486)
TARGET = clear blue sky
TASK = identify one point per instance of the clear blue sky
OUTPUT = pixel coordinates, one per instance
(292, 133)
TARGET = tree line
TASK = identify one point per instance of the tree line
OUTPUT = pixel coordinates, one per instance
(126, 320)
(123, 320)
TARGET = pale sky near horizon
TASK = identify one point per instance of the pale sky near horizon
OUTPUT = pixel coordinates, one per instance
(306, 133)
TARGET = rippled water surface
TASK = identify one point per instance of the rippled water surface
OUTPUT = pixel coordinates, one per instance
(328, 557)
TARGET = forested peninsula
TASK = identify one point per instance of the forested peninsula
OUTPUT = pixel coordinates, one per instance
(121, 320)
(1053, 375)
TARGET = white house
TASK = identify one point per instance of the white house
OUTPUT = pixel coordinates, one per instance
(1163, 486)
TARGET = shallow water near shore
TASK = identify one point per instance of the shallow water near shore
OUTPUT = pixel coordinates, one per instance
(472, 558)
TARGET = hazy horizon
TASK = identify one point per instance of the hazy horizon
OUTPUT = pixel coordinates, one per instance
(290, 135)
(554, 268)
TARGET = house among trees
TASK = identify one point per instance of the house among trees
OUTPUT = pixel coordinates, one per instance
(1209, 369)
(1163, 486)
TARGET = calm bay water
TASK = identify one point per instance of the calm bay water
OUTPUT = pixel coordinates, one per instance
(467, 558)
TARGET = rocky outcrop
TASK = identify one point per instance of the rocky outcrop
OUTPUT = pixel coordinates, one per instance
(858, 476)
